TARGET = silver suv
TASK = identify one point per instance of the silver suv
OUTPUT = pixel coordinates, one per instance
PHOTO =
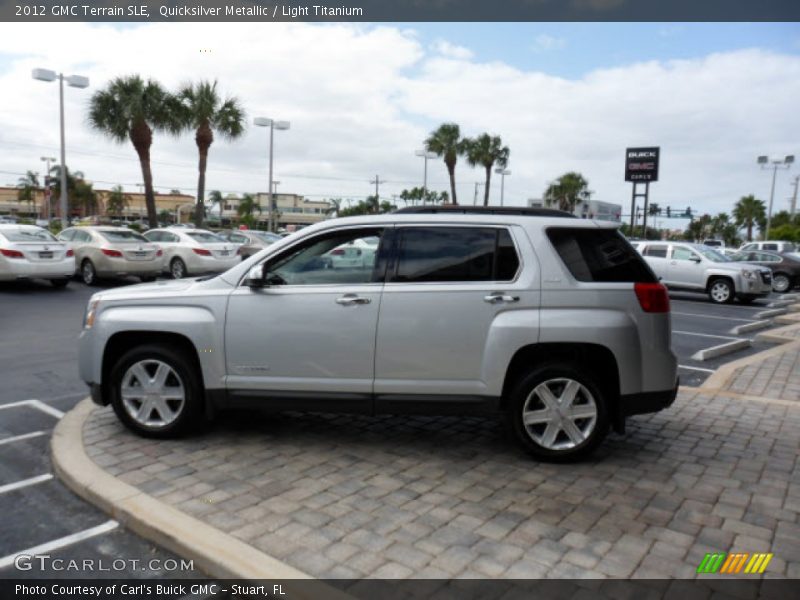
(699, 268)
(555, 322)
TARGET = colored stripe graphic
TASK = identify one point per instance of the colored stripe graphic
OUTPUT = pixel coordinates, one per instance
(758, 563)
(712, 562)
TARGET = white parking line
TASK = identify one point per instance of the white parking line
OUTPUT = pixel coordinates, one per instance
(37, 404)
(732, 306)
(10, 487)
(712, 317)
(24, 436)
(708, 335)
(696, 369)
(7, 561)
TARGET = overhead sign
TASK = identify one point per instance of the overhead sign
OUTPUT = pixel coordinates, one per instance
(641, 164)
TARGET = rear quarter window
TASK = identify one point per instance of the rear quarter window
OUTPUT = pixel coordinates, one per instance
(599, 255)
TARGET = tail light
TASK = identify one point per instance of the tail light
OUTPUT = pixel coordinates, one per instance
(159, 252)
(201, 251)
(653, 297)
(112, 253)
(70, 252)
(11, 253)
(337, 252)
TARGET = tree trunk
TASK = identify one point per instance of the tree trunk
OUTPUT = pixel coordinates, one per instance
(750, 232)
(142, 137)
(204, 138)
(451, 170)
(486, 187)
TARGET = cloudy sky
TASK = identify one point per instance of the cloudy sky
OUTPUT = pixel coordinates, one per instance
(361, 99)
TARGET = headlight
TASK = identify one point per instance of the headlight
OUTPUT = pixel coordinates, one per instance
(749, 274)
(91, 311)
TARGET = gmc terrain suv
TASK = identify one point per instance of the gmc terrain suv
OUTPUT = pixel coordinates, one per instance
(555, 322)
(695, 267)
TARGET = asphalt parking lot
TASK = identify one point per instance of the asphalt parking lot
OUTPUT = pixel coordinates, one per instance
(40, 382)
(39, 378)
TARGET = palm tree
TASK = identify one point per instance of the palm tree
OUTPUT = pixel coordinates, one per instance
(215, 198)
(131, 108)
(567, 191)
(72, 180)
(27, 187)
(486, 150)
(335, 207)
(749, 211)
(206, 112)
(447, 143)
(247, 206)
(117, 201)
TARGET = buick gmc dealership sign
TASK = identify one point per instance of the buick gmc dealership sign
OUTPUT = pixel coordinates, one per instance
(641, 164)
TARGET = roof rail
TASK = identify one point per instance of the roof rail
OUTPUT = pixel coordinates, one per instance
(484, 210)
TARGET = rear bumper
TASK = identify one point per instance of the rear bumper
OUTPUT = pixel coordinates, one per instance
(647, 402)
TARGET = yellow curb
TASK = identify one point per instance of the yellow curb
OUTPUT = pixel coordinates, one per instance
(214, 552)
(720, 377)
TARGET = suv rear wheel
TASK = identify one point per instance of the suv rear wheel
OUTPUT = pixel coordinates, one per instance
(155, 391)
(558, 413)
(720, 291)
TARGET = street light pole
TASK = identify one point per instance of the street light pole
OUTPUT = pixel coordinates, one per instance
(502, 172)
(47, 160)
(784, 163)
(77, 81)
(273, 125)
(427, 156)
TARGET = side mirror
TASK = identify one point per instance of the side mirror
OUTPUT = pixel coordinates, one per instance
(255, 277)
(695, 259)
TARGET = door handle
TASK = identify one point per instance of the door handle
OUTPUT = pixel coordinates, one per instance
(495, 298)
(350, 299)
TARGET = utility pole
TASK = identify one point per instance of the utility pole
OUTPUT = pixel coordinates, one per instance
(475, 197)
(794, 196)
(46, 182)
(377, 181)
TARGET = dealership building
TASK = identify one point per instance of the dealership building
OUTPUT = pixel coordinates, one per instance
(589, 209)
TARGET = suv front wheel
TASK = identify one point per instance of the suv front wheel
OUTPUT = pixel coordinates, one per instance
(558, 413)
(720, 291)
(155, 391)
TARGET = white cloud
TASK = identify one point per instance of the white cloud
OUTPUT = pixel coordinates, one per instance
(449, 50)
(362, 99)
(544, 43)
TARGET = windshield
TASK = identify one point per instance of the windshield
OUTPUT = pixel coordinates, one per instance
(123, 236)
(713, 255)
(266, 236)
(27, 235)
(204, 237)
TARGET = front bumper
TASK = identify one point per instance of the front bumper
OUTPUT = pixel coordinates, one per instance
(647, 402)
(96, 392)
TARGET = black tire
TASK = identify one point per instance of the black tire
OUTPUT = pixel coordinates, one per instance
(188, 416)
(177, 268)
(59, 283)
(88, 272)
(721, 291)
(783, 281)
(147, 279)
(746, 299)
(555, 373)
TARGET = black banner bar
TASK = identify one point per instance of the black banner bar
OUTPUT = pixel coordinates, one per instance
(400, 10)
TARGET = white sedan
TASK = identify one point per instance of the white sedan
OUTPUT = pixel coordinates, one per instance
(30, 252)
(193, 251)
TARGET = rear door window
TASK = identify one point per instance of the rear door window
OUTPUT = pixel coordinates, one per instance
(599, 255)
(455, 254)
(656, 251)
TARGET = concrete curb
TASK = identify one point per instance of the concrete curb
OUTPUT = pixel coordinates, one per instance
(747, 327)
(214, 552)
(779, 335)
(721, 350)
(774, 312)
(720, 377)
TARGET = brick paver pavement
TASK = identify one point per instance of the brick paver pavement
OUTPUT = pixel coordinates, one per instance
(777, 376)
(345, 496)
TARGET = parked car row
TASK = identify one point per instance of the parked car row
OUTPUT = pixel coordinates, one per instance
(701, 268)
(98, 251)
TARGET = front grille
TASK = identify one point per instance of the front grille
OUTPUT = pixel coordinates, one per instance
(766, 276)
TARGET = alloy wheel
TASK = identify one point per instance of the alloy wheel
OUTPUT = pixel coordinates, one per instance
(152, 393)
(559, 414)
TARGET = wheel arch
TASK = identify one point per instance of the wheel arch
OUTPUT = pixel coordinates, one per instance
(604, 369)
